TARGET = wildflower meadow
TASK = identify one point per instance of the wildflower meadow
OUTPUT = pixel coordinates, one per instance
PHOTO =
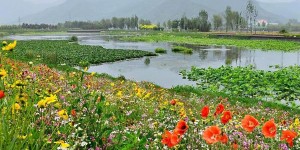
(48, 108)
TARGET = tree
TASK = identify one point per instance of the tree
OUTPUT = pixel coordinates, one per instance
(228, 18)
(217, 21)
(204, 25)
(251, 14)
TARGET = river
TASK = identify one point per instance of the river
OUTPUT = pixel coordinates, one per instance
(164, 69)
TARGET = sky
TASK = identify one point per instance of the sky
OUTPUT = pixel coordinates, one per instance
(276, 1)
(44, 1)
(56, 1)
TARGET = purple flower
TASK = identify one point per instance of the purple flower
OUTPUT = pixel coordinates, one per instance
(283, 147)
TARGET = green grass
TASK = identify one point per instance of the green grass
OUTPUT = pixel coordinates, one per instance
(160, 50)
(181, 49)
(188, 91)
(204, 39)
(278, 85)
(63, 52)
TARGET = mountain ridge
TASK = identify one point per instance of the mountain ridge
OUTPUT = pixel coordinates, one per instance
(155, 10)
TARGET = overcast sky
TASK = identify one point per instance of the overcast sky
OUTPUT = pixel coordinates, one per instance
(59, 1)
(275, 1)
(45, 1)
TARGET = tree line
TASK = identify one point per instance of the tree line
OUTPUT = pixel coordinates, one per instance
(231, 20)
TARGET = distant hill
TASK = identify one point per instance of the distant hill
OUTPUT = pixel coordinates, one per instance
(289, 10)
(11, 10)
(154, 10)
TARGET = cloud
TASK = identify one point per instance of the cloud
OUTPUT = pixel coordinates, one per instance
(276, 1)
(44, 1)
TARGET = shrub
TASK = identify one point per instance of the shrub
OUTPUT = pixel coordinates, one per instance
(182, 49)
(160, 50)
(283, 31)
(73, 39)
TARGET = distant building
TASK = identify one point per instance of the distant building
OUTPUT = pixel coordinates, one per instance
(262, 23)
(274, 24)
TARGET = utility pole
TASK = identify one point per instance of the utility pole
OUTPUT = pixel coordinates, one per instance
(19, 20)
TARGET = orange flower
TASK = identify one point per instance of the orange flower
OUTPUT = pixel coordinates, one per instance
(288, 136)
(223, 138)
(181, 127)
(249, 123)
(73, 112)
(226, 117)
(211, 134)
(205, 112)
(220, 108)
(170, 139)
(2, 94)
(269, 129)
(173, 102)
(235, 146)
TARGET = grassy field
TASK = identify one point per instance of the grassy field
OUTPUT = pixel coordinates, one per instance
(204, 39)
(46, 108)
(70, 53)
(281, 84)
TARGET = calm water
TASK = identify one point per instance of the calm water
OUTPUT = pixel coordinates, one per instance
(164, 69)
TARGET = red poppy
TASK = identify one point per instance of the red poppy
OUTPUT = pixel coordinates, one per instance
(181, 127)
(220, 108)
(226, 117)
(173, 102)
(249, 123)
(223, 138)
(211, 134)
(288, 136)
(170, 139)
(269, 129)
(2, 94)
(235, 146)
(205, 112)
(73, 112)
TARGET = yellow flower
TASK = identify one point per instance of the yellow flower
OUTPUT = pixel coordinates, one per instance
(15, 107)
(3, 73)
(63, 114)
(22, 137)
(51, 99)
(297, 122)
(62, 143)
(10, 46)
(4, 43)
(93, 73)
(119, 94)
(22, 98)
(57, 91)
(42, 104)
(18, 83)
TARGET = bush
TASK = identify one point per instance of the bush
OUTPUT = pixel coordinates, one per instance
(73, 39)
(283, 31)
(182, 49)
(147, 61)
(160, 50)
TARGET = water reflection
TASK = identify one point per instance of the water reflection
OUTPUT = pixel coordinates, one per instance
(164, 69)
